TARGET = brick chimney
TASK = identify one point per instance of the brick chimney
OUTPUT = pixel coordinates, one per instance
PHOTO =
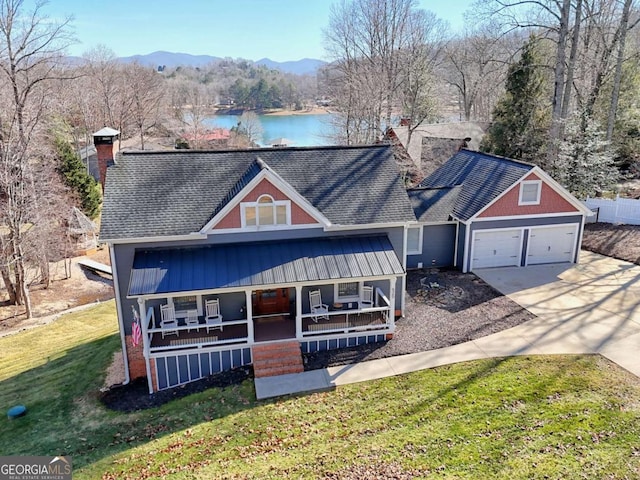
(104, 141)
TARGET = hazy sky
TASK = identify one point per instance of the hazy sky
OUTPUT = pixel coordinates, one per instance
(251, 29)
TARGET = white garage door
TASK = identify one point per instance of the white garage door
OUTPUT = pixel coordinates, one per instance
(496, 249)
(552, 244)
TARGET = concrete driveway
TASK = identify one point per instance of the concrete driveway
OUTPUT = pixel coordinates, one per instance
(592, 307)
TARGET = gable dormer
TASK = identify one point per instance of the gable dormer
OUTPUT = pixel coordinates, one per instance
(264, 202)
(532, 195)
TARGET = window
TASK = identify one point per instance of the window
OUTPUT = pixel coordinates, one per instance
(414, 241)
(347, 291)
(530, 192)
(266, 211)
(185, 303)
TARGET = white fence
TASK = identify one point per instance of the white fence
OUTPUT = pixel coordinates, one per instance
(619, 210)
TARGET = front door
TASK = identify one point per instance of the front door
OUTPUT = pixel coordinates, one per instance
(271, 302)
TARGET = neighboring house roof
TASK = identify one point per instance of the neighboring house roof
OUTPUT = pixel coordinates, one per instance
(434, 204)
(106, 132)
(161, 271)
(454, 130)
(481, 178)
(154, 194)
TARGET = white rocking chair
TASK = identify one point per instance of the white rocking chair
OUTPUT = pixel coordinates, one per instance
(318, 309)
(366, 299)
(213, 319)
(168, 320)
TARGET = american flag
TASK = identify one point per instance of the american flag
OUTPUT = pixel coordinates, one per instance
(136, 329)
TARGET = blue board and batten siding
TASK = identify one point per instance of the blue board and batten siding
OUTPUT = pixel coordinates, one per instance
(438, 247)
(312, 346)
(523, 223)
(179, 368)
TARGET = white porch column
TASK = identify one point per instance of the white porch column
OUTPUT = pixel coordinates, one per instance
(392, 300)
(299, 312)
(145, 341)
(249, 312)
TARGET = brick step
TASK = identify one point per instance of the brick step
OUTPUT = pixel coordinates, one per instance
(275, 371)
(276, 350)
(269, 362)
(277, 359)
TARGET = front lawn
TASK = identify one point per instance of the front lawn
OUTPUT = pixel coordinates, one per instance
(524, 417)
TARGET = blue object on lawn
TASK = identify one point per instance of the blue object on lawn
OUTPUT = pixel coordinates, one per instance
(17, 411)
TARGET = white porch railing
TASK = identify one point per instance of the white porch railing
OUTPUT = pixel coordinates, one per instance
(206, 340)
(355, 323)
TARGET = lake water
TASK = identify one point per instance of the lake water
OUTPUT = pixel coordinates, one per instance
(302, 130)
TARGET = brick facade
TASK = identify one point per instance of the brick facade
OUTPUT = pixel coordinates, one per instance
(135, 357)
(550, 202)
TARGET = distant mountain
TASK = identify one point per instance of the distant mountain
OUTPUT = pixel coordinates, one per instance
(171, 60)
(299, 67)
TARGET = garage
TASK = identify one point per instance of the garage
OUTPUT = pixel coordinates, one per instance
(496, 248)
(552, 244)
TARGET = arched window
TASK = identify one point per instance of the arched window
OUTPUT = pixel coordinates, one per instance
(266, 211)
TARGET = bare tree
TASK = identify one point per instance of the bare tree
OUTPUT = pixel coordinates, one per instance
(476, 66)
(193, 112)
(594, 33)
(368, 41)
(249, 126)
(30, 46)
(146, 91)
(420, 60)
(615, 94)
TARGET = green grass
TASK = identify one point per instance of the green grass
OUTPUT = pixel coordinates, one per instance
(527, 417)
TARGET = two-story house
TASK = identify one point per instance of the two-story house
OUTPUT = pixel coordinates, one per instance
(218, 252)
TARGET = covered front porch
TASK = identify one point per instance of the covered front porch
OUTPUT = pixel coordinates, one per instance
(249, 323)
(212, 301)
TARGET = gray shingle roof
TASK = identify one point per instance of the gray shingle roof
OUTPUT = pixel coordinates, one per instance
(482, 178)
(434, 204)
(150, 194)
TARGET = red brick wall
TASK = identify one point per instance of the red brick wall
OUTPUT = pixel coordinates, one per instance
(135, 356)
(298, 215)
(104, 153)
(550, 202)
(154, 376)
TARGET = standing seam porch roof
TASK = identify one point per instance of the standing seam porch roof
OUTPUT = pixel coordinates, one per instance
(160, 271)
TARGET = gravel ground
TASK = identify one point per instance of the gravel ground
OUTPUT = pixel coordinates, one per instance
(458, 308)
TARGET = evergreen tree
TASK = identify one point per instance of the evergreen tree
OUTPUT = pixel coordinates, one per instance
(518, 126)
(75, 175)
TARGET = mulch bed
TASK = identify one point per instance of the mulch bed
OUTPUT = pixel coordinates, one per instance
(451, 308)
(617, 241)
(135, 396)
